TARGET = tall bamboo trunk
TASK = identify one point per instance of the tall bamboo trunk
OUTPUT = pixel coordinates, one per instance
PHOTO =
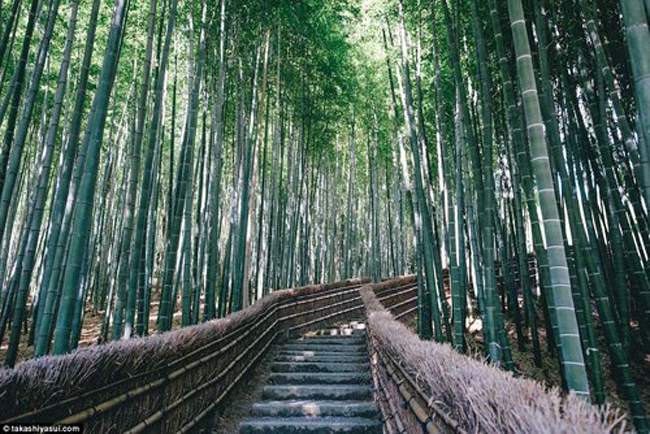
(571, 350)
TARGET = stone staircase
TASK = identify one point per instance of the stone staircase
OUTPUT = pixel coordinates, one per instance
(320, 384)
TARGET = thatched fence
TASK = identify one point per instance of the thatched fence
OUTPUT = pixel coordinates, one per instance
(168, 382)
(426, 387)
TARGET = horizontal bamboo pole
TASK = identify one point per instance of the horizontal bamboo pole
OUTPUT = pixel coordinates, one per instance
(318, 320)
(391, 417)
(386, 292)
(158, 416)
(297, 314)
(403, 303)
(127, 396)
(320, 309)
(396, 294)
(160, 370)
(430, 415)
(432, 418)
(197, 419)
(414, 309)
(181, 366)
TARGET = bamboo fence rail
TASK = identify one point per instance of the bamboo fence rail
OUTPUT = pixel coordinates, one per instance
(174, 396)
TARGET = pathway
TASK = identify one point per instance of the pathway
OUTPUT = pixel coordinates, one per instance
(320, 384)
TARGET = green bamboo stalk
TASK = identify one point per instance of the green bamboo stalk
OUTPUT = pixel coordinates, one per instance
(570, 344)
(87, 187)
(520, 177)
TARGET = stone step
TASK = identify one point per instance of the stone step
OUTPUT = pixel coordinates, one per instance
(319, 367)
(311, 356)
(329, 340)
(314, 346)
(311, 425)
(343, 331)
(328, 392)
(308, 352)
(319, 384)
(315, 408)
(347, 333)
(358, 325)
(320, 378)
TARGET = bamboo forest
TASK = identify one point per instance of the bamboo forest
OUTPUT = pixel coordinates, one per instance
(325, 216)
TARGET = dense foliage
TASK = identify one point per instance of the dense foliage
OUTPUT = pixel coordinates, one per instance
(167, 162)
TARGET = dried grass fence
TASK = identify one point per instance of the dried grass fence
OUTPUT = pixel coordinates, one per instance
(426, 387)
(168, 382)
